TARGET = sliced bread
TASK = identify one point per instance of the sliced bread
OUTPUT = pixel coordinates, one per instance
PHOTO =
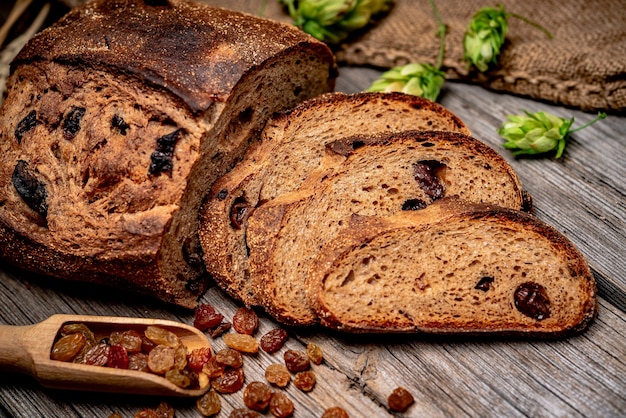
(380, 175)
(292, 146)
(453, 268)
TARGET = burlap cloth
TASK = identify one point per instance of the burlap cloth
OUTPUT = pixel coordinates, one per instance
(584, 66)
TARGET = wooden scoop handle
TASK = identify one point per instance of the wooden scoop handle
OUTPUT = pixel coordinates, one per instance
(14, 354)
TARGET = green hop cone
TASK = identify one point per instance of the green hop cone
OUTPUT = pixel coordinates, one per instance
(538, 133)
(485, 34)
(331, 21)
(418, 79)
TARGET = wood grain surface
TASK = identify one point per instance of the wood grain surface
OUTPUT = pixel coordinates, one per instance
(582, 195)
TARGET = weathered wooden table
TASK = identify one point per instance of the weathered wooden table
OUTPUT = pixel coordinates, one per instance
(583, 194)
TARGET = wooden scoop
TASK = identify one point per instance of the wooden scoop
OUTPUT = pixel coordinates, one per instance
(26, 349)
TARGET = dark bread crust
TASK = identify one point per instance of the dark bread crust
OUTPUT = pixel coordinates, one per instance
(363, 230)
(196, 52)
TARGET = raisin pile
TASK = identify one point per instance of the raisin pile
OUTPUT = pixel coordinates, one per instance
(156, 350)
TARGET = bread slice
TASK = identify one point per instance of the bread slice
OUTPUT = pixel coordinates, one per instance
(453, 268)
(380, 175)
(117, 121)
(292, 147)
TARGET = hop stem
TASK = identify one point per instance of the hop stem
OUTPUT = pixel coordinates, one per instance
(600, 116)
(531, 23)
(441, 32)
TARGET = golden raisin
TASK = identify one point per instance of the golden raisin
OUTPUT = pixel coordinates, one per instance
(161, 359)
(165, 410)
(277, 374)
(162, 336)
(305, 381)
(241, 342)
(209, 404)
(315, 353)
(400, 399)
(130, 340)
(67, 347)
(243, 413)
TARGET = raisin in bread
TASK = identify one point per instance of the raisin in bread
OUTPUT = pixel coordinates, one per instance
(292, 147)
(117, 121)
(453, 268)
(380, 175)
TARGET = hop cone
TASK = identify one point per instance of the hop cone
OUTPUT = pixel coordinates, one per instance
(485, 36)
(535, 133)
(418, 79)
(331, 21)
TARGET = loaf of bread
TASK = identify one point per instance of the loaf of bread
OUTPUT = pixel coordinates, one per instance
(453, 268)
(117, 121)
(292, 147)
(379, 175)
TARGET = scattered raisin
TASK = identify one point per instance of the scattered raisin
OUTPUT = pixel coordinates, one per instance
(118, 123)
(257, 396)
(206, 317)
(165, 410)
(245, 321)
(146, 413)
(277, 374)
(281, 406)
(222, 194)
(296, 361)
(241, 342)
(67, 347)
(198, 358)
(229, 357)
(161, 160)
(243, 413)
(335, 412)
(161, 359)
(25, 125)
(532, 300)
(30, 189)
(484, 283)
(400, 399)
(425, 173)
(71, 122)
(305, 381)
(273, 340)
(209, 404)
(162, 336)
(315, 353)
(230, 382)
(220, 329)
(414, 204)
(98, 355)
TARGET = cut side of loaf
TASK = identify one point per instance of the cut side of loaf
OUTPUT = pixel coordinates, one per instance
(380, 175)
(292, 146)
(117, 121)
(453, 268)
